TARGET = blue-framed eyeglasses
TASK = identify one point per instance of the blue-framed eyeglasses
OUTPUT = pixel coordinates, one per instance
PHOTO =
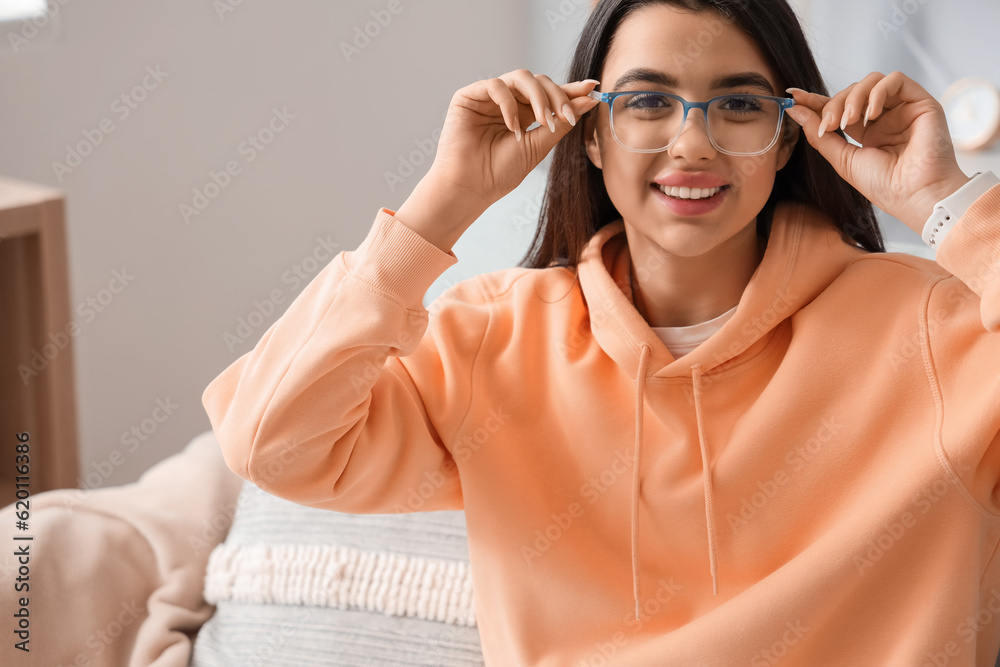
(647, 121)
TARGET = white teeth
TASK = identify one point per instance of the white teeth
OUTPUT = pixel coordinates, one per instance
(688, 193)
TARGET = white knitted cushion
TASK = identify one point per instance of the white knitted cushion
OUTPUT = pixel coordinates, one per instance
(301, 586)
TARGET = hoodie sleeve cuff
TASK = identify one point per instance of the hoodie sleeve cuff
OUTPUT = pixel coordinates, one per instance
(971, 252)
(397, 260)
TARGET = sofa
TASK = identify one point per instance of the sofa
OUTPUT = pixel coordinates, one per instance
(192, 565)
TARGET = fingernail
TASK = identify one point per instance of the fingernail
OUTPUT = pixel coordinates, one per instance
(848, 111)
(548, 119)
(868, 112)
(822, 125)
(568, 112)
(594, 81)
(791, 90)
(517, 133)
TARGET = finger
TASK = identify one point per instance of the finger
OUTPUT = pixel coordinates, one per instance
(558, 102)
(895, 89)
(576, 89)
(542, 142)
(578, 93)
(814, 101)
(833, 147)
(498, 91)
(527, 89)
(856, 102)
(833, 110)
(561, 106)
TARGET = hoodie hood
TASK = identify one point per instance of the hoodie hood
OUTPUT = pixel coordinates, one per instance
(805, 253)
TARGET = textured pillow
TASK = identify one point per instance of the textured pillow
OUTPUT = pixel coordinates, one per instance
(295, 585)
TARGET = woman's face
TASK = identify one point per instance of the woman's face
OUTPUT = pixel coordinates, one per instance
(695, 49)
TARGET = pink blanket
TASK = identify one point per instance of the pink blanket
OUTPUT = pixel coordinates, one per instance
(115, 574)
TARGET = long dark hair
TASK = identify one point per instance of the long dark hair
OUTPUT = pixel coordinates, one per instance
(576, 203)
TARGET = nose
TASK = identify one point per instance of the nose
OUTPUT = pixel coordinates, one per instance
(693, 142)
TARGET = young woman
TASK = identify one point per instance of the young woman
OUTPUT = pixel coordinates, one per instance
(710, 421)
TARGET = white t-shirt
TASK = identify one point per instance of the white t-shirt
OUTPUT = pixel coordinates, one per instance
(681, 340)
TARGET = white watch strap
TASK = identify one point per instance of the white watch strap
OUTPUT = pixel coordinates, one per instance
(948, 211)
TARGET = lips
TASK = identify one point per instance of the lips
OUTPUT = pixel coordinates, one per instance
(690, 179)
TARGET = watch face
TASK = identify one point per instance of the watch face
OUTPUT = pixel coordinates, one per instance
(972, 107)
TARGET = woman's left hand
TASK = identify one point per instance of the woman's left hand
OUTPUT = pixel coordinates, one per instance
(906, 161)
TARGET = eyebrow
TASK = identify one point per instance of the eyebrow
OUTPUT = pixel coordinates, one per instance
(728, 81)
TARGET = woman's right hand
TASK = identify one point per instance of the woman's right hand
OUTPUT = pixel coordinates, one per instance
(479, 159)
(483, 150)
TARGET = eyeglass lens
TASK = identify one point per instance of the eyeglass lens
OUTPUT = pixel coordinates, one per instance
(737, 123)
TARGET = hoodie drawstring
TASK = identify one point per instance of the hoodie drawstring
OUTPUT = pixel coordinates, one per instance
(707, 474)
(640, 381)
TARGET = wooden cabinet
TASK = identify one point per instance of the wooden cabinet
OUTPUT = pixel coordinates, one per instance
(37, 335)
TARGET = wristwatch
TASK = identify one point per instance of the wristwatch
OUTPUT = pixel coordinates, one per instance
(947, 211)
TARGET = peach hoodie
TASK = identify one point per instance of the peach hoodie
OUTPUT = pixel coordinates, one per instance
(815, 484)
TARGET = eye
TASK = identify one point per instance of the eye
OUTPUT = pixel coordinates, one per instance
(740, 104)
(646, 101)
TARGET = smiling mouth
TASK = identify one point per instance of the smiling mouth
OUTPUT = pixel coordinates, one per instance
(692, 194)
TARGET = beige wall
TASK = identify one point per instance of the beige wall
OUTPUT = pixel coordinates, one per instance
(218, 79)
